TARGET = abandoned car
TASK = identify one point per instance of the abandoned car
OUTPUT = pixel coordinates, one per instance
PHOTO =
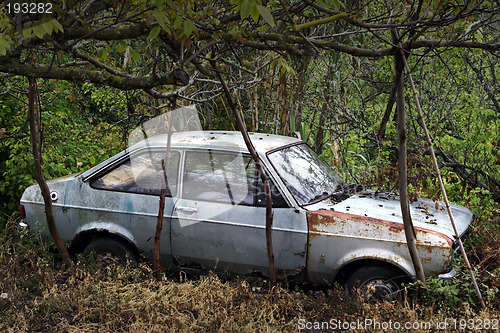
(215, 213)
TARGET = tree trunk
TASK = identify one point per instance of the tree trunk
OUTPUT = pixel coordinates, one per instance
(441, 184)
(159, 226)
(402, 170)
(389, 107)
(44, 188)
(299, 93)
(320, 133)
(265, 180)
(157, 268)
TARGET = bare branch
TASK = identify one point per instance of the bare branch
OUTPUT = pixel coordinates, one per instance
(170, 94)
(84, 75)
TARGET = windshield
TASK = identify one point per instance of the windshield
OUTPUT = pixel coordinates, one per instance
(308, 178)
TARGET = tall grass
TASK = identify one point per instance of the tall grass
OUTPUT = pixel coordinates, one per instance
(37, 294)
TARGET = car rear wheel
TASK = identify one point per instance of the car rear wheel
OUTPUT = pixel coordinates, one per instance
(109, 251)
(376, 283)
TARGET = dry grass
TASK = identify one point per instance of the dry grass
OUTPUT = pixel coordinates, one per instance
(37, 295)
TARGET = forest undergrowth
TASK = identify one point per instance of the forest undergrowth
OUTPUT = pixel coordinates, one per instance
(38, 294)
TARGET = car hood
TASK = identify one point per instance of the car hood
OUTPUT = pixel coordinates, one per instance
(426, 214)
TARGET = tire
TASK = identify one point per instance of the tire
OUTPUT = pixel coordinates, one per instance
(109, 251)
(377, 283)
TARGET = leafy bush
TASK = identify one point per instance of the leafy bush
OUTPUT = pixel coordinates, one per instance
(459, 292)
(71, 142)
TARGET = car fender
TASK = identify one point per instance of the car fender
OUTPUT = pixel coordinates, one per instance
(378, 255)
(109, 227)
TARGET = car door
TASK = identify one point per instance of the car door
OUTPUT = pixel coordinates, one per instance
(123, 198)
(219, 220)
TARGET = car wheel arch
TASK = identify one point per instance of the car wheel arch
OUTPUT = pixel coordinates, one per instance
(353, 265)
(83, 238)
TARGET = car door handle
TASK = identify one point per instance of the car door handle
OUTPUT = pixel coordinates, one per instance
(186, 209)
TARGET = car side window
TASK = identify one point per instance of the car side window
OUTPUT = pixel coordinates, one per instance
(226, 178)
(142, 173)
(260, 197)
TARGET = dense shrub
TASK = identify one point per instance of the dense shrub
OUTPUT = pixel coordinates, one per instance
(71, 142)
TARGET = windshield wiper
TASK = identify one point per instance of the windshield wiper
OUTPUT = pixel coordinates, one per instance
(340, 193)
(339, 189)
(319, 196)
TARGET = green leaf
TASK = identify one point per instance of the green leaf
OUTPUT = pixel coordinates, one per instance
(27, 29)
(47, 26)
(27, 32)
(4, 43)
(246, 9)
(122, 46)
(266, 15)
(161, 18)
(92, 160)
(134, 54)
(154, 32)
(39, 31)
(57, 26)
(177, 22)
(328, 3)
(101, 53)
(188, 28)
(255, 12)
(285, 67)
(292, 122)
(337, 4)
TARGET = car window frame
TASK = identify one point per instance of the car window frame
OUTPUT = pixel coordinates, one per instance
(113, 165)
(185, 151)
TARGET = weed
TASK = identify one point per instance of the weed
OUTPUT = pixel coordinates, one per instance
(36, 294)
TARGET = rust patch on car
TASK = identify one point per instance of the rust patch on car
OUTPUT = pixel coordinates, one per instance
(321, 218)
(318, 218)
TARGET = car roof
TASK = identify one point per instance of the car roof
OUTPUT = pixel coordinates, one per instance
(227, 140)
(223, 140)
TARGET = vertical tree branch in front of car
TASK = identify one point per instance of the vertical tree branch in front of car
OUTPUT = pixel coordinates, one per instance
(265, 180)
(440, 180)
(159, 224)
(44, 188)
(402, 167)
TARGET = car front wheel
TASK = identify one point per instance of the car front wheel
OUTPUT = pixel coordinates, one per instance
(109, 251)
(376, 283)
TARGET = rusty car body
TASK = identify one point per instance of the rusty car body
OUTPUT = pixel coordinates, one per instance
(215, 213)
